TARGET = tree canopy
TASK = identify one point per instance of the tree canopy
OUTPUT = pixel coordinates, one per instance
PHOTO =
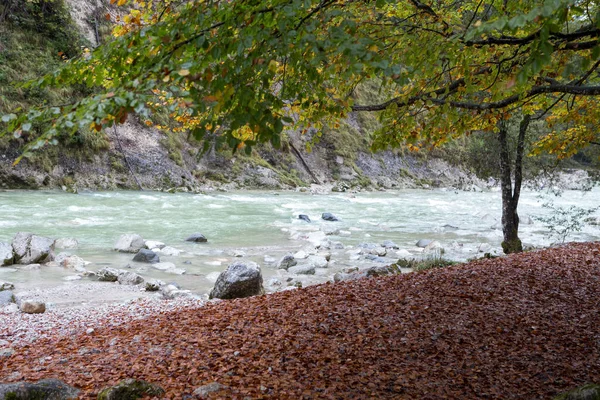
(240, 71)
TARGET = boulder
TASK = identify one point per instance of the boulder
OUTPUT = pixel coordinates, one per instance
(131, 389)
(146, 256)
(205, 390)
(154, 244)
(423, 243)
(69, 261)
(129, 278)
(32, 307)
(170, 251)
(153, 285)
(329, 217)
(388, 244)
(6, 297)
(586, 392)
(318, 261)
(66, 243)
(6, 254)
(51, 389)
(286, 261)
(302, 270)
(108, 274)
(382, 270)
(434, 246)
(197, 238)
(129, 243)
(304, 217)
(29, 248)
(240, 279)
(6, 286)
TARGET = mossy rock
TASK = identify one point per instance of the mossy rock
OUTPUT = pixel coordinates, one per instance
(586, 392)
(130, 389)
(45, 389)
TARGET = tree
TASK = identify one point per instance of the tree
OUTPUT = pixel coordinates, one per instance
(239, 71)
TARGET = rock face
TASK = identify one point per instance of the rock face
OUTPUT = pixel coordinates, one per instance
(33, 307)
(29, 248)
(47, 389)
(130, 243)
(240, 279)
(329, 217)
(130, 389)
(146, 256)
(6, 254)
(197, 238)
(304, 217)
(286, 261)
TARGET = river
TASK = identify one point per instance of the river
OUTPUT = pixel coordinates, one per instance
(265, 226)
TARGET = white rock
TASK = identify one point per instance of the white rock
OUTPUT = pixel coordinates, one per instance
(163, 266)
(316, 238)
(170, 251)
(154, 244)
(6, 286)
(66, 243)
(6, 254)
(484, 248)
(403, 253)
(317, 261)
(72, 278)
(129, 243)
(32, 307)
(300, 255)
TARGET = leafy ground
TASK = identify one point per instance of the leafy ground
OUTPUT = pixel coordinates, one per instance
(523, 327)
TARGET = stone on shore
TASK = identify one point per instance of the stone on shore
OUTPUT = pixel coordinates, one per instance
(146, 256)
(69, 261)
(153, 285)
(329, 217)
(170, 251)
(51, 389)
(154, 244)
(388, 244)
(240, 279)
(108, 274)
(302, 270)
(6, 286)
(66, 243)
(129, 243)
(423, 243)
(286, 262)
(130, 389)
(129, 278)
(32, 307)
(29, 248)
(318, 261)
(6, 254)
(196, 238)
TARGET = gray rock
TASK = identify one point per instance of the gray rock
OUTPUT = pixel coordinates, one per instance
(153, 285)
(66, 243)
(388, 244)
(131, 389)
(376, 258)
(46, 389)
(108, 274)
(154, 244)
(6, 297)
(240, 279)
(329, 217)
(304, 217)
(434, 246)
(29, 248)
(205, 390)
(32, 307)
(129, 278)
(302, 270)
(449, 227)
(6, 286)
(287, 261)
(6, 254)
(318, 261)
(352, 275)
(130, 243)
(423, 243)
(69, 261)
(274, 282)
(197, 238)
(170, 251)
(146, 256)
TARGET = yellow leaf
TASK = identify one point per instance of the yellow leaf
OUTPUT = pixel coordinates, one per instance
(183, 72)
(121, 2)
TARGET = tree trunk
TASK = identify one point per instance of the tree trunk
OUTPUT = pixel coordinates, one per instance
(510, 194)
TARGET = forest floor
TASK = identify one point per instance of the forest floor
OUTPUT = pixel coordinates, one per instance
(525, 326)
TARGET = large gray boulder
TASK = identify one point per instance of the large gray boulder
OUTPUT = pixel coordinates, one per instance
(146, 256)
(197, 238)
(240, 279)
(46, 389)
(302, 270)
(130, 243)
(29, 248)
(6, 254)
(32, 307)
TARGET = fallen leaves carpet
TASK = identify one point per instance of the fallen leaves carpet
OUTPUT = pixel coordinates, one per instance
(519, 327)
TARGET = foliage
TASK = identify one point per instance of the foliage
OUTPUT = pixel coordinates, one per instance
(428, 262)
(564, 221)
(240, 71)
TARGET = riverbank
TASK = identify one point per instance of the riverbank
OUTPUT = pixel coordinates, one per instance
(523, 326)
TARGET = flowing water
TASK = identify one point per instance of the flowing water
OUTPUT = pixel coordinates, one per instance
(262, 224)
